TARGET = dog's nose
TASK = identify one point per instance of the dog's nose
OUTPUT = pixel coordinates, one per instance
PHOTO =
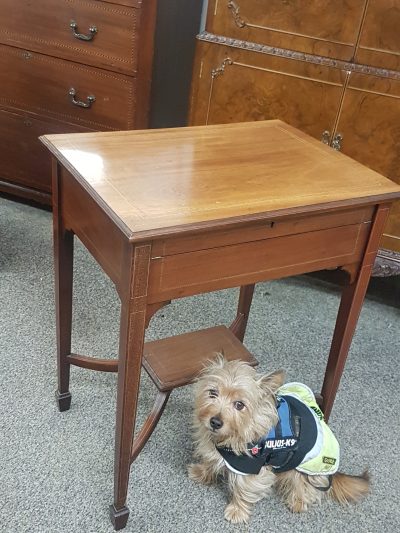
(216, 422)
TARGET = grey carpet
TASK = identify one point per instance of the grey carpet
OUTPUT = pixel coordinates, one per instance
(56, 469)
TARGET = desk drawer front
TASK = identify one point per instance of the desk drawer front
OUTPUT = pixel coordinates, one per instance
(262, 230)
(229, 266)
(41, 84)
(45, 27)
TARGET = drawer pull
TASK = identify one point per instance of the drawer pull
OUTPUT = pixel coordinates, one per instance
(74, 27)
(326, 137)
(337, 142)
(235, 10)
(79, 103)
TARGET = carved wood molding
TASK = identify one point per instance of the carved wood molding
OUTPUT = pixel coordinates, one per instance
(299, 56)
(387, 263)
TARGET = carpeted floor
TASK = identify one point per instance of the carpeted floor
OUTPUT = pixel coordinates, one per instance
(56, 469)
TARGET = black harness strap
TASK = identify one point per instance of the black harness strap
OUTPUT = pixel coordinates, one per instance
(281, 458)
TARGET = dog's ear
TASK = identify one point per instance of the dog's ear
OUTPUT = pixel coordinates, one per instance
(271, 382)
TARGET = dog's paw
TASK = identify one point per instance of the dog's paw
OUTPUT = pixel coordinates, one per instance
(199, 473)
(235, 514)
(298, 506)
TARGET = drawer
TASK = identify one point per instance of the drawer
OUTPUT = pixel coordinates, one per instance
(35, 26)
(41, 84)
(23, 158)
(329, 28)
(261, 230)
(190, 273)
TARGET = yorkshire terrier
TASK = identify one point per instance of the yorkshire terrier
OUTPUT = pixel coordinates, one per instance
(259, 433)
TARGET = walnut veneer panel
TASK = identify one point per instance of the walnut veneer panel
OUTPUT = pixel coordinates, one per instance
(23, 158)
(323, 27)
(34, 26)
(369, 124)
(40, 84)
(380, 37)
(214, 180)
(232, 85)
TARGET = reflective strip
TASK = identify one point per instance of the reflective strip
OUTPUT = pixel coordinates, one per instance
(234, 469)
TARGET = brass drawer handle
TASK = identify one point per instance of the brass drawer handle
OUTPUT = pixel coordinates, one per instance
(337, 142)
(326, 137)
(235, 10)
(87, 104)
(74, 27)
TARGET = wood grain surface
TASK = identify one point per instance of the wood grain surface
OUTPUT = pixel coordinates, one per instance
(34, 26)
(369, 125)
(155, 180)
(317, 27)
(380, 42)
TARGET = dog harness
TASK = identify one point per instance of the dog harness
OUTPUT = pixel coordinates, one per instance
(301, 439)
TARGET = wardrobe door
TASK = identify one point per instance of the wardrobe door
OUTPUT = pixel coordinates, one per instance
(380, 37)
(369, 127)
(324, 27)
(233, 85)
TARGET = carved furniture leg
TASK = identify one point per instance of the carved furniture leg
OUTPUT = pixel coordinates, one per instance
(238, 326)
(349, 310)
(63, 264)
(132, 331)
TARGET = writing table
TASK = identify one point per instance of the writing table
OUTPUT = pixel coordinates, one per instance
(179, 212)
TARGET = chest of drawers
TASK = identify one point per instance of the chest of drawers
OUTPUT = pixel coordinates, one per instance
(69, 66)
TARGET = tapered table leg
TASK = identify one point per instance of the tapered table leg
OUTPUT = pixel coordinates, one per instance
(238, 326)
(132, 331)
(349, 311)
(63, 264)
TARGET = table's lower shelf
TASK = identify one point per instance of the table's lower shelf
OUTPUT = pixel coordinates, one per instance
(176, 361)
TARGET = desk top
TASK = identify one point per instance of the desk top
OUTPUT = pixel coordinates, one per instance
(158, 182)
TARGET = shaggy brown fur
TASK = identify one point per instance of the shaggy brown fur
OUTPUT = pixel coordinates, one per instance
(234, 394)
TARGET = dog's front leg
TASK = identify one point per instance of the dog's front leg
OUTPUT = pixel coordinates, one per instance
(202, 473)
(207, 471)
(246, 490)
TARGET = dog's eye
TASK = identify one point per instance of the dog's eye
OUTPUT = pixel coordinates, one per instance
(213, 393)
(238, 405)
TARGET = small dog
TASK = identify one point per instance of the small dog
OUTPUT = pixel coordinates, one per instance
(259, 433)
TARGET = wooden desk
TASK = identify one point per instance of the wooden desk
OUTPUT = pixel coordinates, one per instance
(172, 213)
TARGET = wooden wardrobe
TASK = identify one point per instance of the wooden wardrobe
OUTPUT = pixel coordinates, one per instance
(329, 67)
